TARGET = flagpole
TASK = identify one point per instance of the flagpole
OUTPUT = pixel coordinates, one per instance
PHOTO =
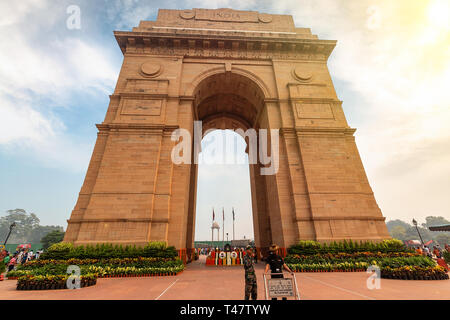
(223, 228)
(233, 225)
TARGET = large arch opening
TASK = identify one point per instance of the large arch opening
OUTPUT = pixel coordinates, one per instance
(231, 101)
(223, 187)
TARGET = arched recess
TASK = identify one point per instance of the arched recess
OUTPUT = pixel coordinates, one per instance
(232, 100)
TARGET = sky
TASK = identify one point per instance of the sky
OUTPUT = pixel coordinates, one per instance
(391, 69)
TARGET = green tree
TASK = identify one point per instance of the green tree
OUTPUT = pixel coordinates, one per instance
(398, 232)
(40, 231)
(434, 221)
(27, 229)
(443, 239)
(52, 237)
(395, 223)
(24, 225)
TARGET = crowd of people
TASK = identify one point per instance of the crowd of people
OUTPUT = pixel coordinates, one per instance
(436, 252)
(208, 251)
(20, 256)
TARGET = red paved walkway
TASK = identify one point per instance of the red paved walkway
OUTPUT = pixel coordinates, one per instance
(200, 282)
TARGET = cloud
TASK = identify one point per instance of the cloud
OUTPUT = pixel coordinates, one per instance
(393, 60)
(215, 4)
(126, 14)
(44, 73)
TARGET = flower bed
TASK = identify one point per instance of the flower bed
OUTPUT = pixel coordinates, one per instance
(446, 256)
(367, 258)
(393, 259)
(414, 273)
(328, 267)
(52, 282)
(66, 250)
(108, 272)
(140, 261)
(103, 267)
(314, 247)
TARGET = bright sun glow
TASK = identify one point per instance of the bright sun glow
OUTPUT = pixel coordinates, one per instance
(439, 13)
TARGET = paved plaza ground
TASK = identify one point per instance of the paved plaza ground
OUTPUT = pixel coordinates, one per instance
(200, 282)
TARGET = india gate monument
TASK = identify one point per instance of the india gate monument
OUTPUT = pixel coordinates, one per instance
(231, 70)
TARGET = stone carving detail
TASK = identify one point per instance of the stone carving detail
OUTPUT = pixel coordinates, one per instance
(265, 18)
(311, 91)
(147, 86)
(187, 14)
(227, 53)
(226, 15)
(314, 111)
(151, 69)
(149, 107)
(301, 74)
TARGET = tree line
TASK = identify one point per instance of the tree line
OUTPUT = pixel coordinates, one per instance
(407, 231)
(28, 229)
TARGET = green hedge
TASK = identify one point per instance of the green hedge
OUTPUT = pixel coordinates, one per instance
(51, 282)
(66, 250)
(314, 247)
(446, 255)
(393, 260)
(101, 271)
(415, 273)
(111, 266)
(329, 267)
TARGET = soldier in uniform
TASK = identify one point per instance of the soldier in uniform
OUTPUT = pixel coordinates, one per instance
(250, 275)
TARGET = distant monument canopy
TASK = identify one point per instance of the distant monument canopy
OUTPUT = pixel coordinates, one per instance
(177, 70)
(215, 225)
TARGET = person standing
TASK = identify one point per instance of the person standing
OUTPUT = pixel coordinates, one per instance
(426, 251)
(6, 258)
(439, 249)
(12, 263)
(19, 257)
(24, 257)
(251, 287)
(276, 264)
(419, 251)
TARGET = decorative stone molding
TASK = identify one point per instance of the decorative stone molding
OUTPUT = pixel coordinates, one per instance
(302, 75)
(217, 44)
(187, 14)
(162, 220)
(265, 18)
(150, 69)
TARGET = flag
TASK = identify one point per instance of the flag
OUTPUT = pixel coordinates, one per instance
(233, 214)
(214, 216)
(223, 214)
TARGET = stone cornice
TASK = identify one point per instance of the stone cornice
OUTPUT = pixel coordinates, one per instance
(102, 220)
(315, 218)
(317, 130)
(221, 44)
(103, 127)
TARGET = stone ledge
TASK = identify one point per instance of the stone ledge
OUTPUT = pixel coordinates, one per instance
(340, 218)
(147, 220)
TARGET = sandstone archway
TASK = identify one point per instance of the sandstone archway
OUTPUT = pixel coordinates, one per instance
(240, 70)
(227, 100)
